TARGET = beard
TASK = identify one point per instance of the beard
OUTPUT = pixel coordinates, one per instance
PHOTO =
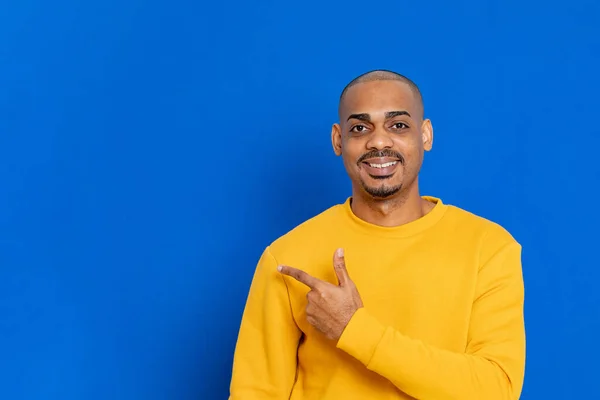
(382, 191)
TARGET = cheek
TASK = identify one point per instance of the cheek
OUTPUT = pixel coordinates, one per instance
(349, 156)
(414, 160)
(410, 147)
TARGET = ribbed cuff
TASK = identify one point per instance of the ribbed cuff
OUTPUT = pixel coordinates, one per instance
(361, 336)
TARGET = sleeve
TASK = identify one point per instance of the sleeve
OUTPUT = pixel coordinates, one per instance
(264, 363)
(492, 366)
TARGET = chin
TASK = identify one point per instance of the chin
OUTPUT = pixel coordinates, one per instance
(382, 192)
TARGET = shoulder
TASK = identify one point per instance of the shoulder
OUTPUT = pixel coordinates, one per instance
(308, 232)
(490, 235)
(478, 223)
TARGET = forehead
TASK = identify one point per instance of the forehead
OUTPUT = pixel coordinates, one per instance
(378, 97)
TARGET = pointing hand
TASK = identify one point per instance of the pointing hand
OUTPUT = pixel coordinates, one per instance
(330, 307)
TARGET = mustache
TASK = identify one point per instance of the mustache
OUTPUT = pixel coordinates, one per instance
(381, 154)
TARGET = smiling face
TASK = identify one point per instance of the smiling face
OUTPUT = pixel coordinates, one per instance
(382, 137)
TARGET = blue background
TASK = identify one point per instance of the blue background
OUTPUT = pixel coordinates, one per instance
(150, 150)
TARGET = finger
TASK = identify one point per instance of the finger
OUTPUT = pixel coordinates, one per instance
(339, 265)
(300, 276)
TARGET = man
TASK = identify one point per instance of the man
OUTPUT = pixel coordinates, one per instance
(390, 295)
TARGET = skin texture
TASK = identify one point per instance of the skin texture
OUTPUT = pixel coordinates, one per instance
(381, 121)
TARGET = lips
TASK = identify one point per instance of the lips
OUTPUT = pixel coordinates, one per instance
(380, 167)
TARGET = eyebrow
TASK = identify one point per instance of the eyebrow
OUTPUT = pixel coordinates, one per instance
(362, 117)
(390, 114)
(393, 114)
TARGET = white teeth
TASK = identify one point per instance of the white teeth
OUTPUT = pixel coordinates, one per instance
(387, 164)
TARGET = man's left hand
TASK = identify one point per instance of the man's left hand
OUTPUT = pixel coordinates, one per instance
(330, 307)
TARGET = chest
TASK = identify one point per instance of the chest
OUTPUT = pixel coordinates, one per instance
(422, 293)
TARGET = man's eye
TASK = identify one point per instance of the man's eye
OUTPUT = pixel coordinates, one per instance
(400, 125)
(358, 128)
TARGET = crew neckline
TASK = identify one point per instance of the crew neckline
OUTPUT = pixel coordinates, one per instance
(409, 229)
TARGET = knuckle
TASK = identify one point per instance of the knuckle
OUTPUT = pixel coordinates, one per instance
(318, 295)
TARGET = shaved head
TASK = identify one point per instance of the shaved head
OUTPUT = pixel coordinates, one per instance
(384, 75)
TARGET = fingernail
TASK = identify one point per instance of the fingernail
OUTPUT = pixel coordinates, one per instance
(279, 268)
(340, 252)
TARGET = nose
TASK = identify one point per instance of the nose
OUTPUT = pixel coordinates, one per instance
(379, 140)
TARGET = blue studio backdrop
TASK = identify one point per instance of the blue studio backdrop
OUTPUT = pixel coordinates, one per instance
(150, 150)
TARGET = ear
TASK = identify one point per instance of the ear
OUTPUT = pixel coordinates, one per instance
(336, 139)
(427, 134)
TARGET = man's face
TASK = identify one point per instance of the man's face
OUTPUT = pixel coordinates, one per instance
(381, 137)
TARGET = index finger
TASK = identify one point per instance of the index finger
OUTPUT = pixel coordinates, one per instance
(300, 276)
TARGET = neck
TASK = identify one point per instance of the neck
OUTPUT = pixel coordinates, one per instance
(406, 206)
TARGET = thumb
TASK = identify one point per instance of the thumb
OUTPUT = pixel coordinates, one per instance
(339, 265)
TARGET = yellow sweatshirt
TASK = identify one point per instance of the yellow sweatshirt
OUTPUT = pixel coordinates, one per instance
(442, 317)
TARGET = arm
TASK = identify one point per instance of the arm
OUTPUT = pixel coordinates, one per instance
(492, 366)
(264, 365)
